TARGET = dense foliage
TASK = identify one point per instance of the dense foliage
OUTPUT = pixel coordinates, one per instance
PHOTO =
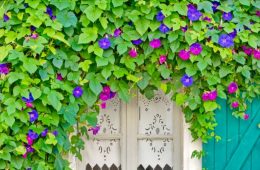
(60, 60)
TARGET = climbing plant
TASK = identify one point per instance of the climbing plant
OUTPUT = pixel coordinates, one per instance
(60, 60)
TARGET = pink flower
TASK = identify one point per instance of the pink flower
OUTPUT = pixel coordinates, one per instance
(29, 105)
(103, 105)
(25, 155)
(34, 36)
(155, 43)
(133, 53)
(184, 55)
(235, 104)
(256, 54)
(246, 116)
(162, 59)
(232, 87)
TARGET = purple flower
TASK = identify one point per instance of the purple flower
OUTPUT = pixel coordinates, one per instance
(137, 42)
(77, 92)
(112, 95)
(6, 18)
(44, 132)
(155, 43)
(133, 53)
(94, 129)
(164, 29)
(30, 99)
(207, 19)
(193, 14)
(225, 41)
(159, 16)
(106, 90)
(246, 116)
(29, 140)
(247, 50)
(34, 35)
(59, 77)
(162, 59)
(33, 115)
(49, 12)
(232, 87)
(215, 5)
(33, 135)
(104, 43)
(103, 105)
(4, 69)
(195, 49)
(55, 133)
(256, 54)
(104, 96)
(258, 13)
(235, 104)
(32, 28)
(213, 95)
(184, 29)
(227, 16)
(186, 80)
(184, 55)
(29, 149)
(233, 34)
(117, 32)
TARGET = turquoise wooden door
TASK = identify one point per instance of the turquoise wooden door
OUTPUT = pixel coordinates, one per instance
(239, 148)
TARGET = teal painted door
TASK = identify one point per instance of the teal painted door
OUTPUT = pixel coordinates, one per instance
(239, 147)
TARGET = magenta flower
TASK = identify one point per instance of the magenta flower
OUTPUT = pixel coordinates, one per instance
(186, 80)
(246, 116)
(155, 43)
(117, 32)
(247, 50)
(207, 19)
(59, 77)
(106, 90)
(104, 96)
(103, 105)
(33, 115)
(258, 13)
(162, 59)
(104, 43)
(29, 140)
(256, 54)
(213, 95)
(77, 92)
(232, 87)
(133, 53)
(94, 129)
(235, 104)
(195, 49)
(4, 69)
(205, 96)
(184, 55)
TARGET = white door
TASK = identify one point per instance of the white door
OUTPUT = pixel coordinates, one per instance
(142, 135)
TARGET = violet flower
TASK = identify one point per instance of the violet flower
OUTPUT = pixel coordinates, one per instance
(184, 55)
(94, 129)
(117, 32)
(4, 69)
(162, 59)
(184, 29)
(227, 16)
(33, 115)
(77, 92)
(232, 87)
(33, 135)
(44, 132)
(192, 13)
(137, 42)
(49, 12)
(104, 43)
(55, 133)
(28, 101)
(32, 28)
(155, 43)
(159, 16)
(195, 49)
(6, 18)
(29, 149)
(207, 19)
(215, 5)
(186, 80)
(233, 34)
(133, 53)
(225, 41)
(164, 29)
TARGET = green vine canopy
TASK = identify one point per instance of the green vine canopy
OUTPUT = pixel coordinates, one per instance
(61, 60)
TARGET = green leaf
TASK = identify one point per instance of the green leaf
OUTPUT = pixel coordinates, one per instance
(206, 6)
(59, 163)
(67, 19)
(17, 162)
(30, 65)
(69, 113)
(89, 97)
(61, 4)
(51, 139)
(224, 71)
(143, 83)
(181, 8)
(103, 21)
(54, 99)
(252, 41)
(245, 2)
(210, 106)
(93, 13)
(142, 25)
(88, 35)
(5, 155)
(95, 86)
(117, 3)
(123, 91)
(91, 117)
(180, 99)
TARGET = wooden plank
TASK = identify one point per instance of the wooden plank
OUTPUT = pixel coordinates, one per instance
(256, 150)
(244, 124)
(232, 133)
(241, 153)
(221, 130)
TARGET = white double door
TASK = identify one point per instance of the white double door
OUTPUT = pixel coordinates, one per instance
(141, 135)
